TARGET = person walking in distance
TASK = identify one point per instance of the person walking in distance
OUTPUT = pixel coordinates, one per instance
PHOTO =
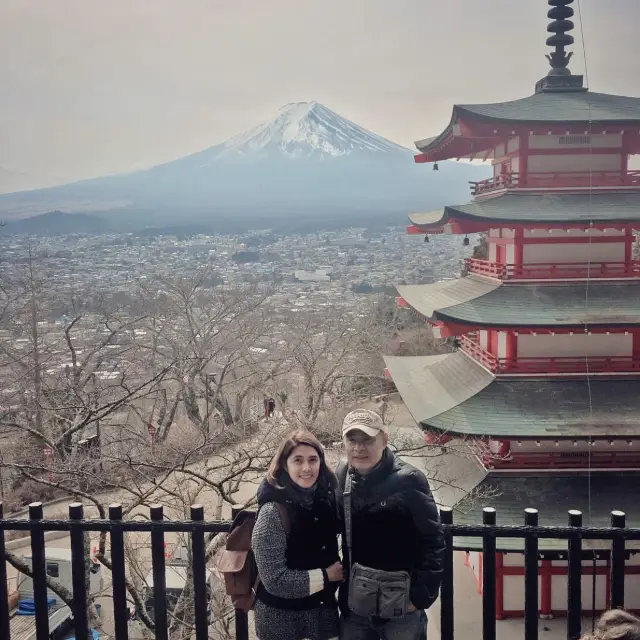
(295, 545)
(392, 540)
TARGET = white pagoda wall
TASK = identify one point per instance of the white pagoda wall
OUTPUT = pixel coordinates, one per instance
(564, 253)
(502, 344)
(594, 141)
(574, 163)
(560, 253)
(562, 345)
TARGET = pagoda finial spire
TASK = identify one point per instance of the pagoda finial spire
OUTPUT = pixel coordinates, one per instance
(560, 26)
(560, 78)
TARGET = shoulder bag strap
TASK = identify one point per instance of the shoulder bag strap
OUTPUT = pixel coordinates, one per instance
(347, 514)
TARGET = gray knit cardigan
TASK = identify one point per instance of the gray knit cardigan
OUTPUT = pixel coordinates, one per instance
(269, 544)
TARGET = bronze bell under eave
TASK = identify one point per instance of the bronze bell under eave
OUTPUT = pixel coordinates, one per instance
(465, 241)
(426, 237)
(435, 166)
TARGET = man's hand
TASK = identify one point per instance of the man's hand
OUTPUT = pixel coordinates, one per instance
(335, 572)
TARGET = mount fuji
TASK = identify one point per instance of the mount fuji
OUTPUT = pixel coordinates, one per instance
(306, 167)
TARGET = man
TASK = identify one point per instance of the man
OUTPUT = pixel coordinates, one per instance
(394, 527)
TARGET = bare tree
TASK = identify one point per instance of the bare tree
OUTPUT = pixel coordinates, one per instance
(63, 378)
(220, 348)
(332, 353)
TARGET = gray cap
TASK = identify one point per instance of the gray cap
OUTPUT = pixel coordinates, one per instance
(364, 420)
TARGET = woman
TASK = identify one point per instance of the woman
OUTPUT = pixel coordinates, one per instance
(297, 558)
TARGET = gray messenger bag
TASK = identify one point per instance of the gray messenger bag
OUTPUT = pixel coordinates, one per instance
(373, 592)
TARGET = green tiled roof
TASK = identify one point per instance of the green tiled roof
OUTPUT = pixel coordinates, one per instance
(579, 106)
(620, 208)
(551, 108)
(476, 302)
(553, 496)
(454, 394)
(544, 408)
(431, 385)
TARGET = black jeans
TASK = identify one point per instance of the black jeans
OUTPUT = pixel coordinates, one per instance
(413, 626)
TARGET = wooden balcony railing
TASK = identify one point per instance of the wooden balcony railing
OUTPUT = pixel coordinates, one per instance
(548, 365)
(554, 270)
(568, 460)
(470, 346)
(556, 180)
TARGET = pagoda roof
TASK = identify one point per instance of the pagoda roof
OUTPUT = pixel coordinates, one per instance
(431, 385)
(596, 495)
(522, 208)
(546, 108)
(454, 394)
(478, 302)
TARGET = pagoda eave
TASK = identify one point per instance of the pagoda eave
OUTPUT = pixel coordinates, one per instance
(476, 302)
(534, 210)
(475, 129)
(453, 394)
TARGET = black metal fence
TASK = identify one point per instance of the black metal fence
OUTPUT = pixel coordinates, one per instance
(157, 526)
(531, 532)
(197, 527)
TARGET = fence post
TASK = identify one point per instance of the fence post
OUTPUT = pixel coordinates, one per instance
(4, 593)
(242, 617)
(574, 596)
(446, 590)
(118, 584)
(38, 566)
(78, 572)
(198, 567)
(618, 521)
(531, 577)
(159, 573)
(489, 575)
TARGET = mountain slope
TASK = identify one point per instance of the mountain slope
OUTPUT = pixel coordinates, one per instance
(57, 222)
(306, 161)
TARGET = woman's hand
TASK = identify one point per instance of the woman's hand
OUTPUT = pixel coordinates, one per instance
(335, 572)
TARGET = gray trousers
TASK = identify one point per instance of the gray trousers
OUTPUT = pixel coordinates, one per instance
(413, 626)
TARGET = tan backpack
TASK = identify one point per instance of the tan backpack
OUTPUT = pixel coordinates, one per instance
(237, 563)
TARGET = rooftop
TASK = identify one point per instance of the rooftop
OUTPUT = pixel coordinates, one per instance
(521, 208)
(452, 393)
(582, 107)
(477, 302)
(474, 128)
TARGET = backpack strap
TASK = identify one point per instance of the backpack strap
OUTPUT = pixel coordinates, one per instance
(284, 516)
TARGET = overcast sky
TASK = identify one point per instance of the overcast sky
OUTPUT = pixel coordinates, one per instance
(100, 86)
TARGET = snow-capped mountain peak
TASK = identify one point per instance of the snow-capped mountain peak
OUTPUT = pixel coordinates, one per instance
(303, 129)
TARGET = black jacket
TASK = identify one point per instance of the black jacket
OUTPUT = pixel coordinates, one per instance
(395, 526)
(312, 541)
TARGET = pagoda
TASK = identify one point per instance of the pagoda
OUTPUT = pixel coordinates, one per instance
(544, 385)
